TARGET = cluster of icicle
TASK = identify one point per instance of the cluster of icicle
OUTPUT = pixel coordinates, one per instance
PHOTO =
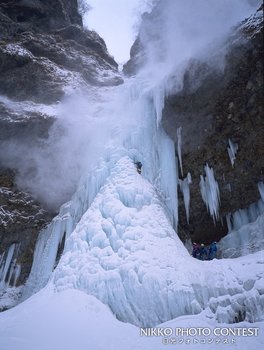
(9, 269)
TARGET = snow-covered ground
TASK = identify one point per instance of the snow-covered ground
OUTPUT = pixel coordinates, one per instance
(74, 320)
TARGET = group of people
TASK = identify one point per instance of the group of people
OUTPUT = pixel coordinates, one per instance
(204, 253)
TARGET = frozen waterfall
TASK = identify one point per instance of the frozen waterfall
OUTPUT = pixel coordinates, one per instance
(120, 242)
(143, 140)
(120, 227)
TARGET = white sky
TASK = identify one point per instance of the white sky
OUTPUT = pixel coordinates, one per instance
(114, 21)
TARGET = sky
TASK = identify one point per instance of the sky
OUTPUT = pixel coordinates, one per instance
(116, 22)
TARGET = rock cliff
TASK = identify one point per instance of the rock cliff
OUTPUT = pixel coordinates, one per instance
(213, 107)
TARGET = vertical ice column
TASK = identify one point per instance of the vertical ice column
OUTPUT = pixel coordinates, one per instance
(158, 98)
(210, 192)
(229, 222)
(185, 188)
(6, 264)
(16, 274)
(157, 149)
(168, 175)
(232, 150)
(46, 251)
(261, 190)
(179, 145)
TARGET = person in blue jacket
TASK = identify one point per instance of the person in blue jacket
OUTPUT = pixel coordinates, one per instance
(212, 251)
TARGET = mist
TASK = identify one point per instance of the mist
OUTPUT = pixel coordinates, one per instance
(51, 168)
(177, 31)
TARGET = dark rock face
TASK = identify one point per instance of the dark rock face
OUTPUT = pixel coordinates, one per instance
(45, 54)
(136, 58)
(41, 15)
(15, 125)
(224, 106)
(44, 49)
(21, 220)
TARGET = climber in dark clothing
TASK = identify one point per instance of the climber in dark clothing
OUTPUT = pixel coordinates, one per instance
(212, 251)
(203, 252)
(139, 166)
(196, 249)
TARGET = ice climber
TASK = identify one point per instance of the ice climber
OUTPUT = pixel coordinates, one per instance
(212, 251)
(139, 166)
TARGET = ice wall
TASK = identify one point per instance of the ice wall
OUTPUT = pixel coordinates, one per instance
(247, 215)
(50, 239)
(245, 230)
(247, 239)
(125, 252)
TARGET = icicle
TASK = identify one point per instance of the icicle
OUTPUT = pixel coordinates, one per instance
(185, 188)
(232, 150)
(261, 190)
(228, 222)
(244, 216)
(228, 186)
(240, 218)
(158, 100)
(11, 271)
(210, 192)
(179, 145)
(6, 264)
(168, 179)
(16, 274)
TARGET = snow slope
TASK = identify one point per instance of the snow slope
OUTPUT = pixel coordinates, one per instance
(74, 320)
